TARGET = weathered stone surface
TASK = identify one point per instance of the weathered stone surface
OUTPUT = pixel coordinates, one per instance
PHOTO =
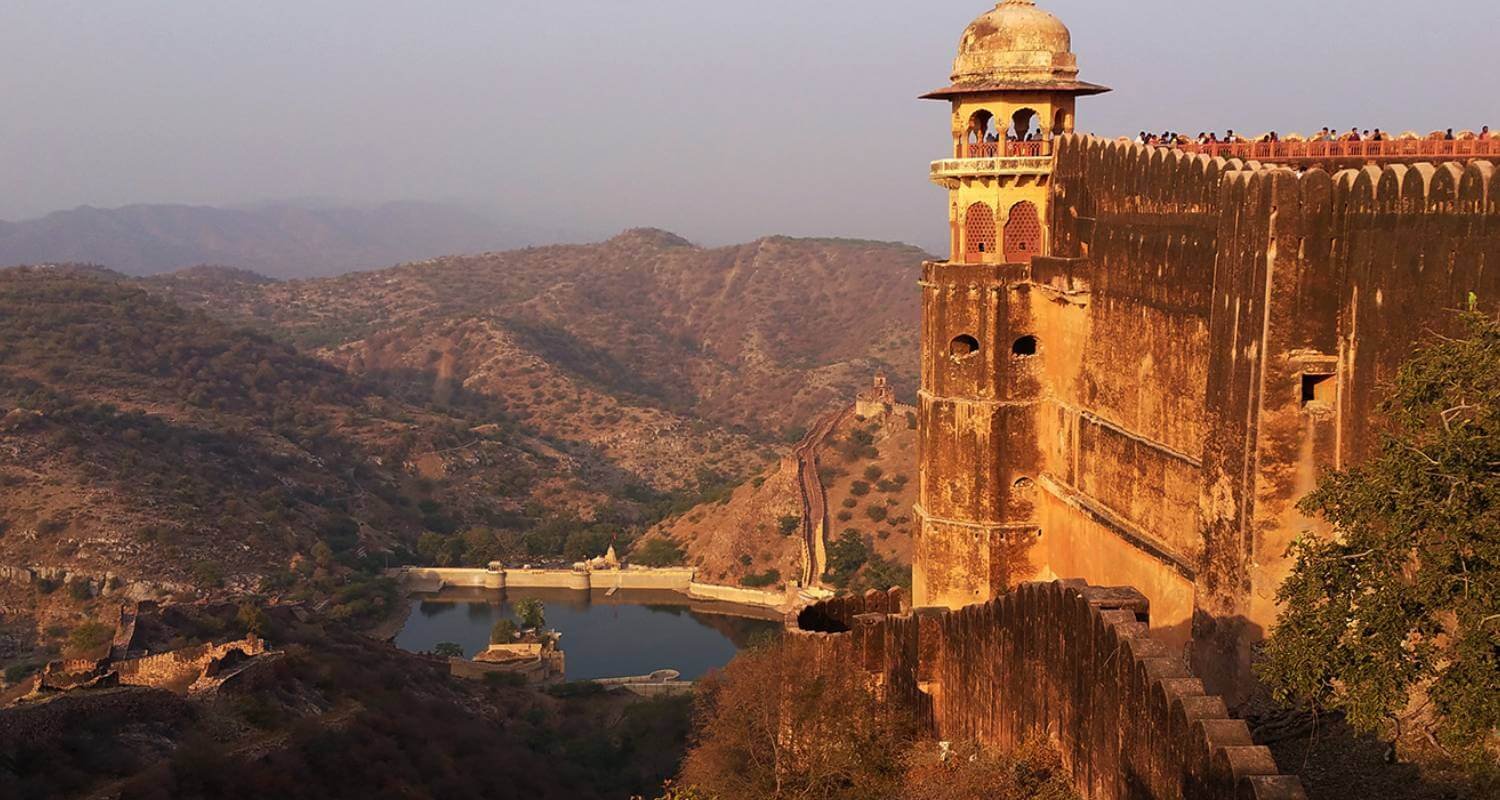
(1065, 662)
(1204, 337)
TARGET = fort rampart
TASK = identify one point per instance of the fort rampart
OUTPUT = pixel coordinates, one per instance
(1065, 663)
(1211, 335)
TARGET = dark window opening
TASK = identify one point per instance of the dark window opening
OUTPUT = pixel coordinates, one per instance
(963, 347)
(1024, 346)
(1318, 390)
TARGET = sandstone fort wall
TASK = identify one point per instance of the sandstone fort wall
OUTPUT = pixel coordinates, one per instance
(1061, 662)
(1215, 334)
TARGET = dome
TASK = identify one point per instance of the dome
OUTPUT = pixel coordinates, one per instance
(1017, 46)
(1016, 42)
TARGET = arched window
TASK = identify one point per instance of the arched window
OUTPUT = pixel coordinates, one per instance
(982, 137)
(1060, 122)
(979, 233)
(1024, 125)
(1023, 233)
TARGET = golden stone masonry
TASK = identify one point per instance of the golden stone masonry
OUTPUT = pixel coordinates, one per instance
(1136, 360)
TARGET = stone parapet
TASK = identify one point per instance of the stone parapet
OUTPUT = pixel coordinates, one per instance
(1065, 662)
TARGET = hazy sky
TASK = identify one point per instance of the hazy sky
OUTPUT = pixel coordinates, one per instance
(722, 121)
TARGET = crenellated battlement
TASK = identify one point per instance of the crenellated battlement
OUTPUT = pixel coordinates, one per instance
(1062, 661)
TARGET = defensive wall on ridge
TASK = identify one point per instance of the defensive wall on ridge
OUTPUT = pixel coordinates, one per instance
(1211, 335)
(1063, 663)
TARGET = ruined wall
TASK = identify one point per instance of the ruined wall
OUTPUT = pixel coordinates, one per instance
(1062, 662)
(178, 669)
(1216, 334)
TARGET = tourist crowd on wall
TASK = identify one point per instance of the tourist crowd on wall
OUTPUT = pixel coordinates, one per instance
(1171, 138)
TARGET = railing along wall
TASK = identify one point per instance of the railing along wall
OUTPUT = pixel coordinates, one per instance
(1387, 149)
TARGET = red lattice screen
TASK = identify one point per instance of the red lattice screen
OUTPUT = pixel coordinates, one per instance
(979, 232)
(1023, 234)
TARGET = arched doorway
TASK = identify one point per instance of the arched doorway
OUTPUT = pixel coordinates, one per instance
(1023, 233)
(979, 233)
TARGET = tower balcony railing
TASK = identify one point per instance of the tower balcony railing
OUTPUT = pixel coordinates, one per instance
(1008, 149)
(1353, 151)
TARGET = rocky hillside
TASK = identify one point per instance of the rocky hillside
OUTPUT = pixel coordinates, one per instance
(629, 346)
(336, 715)
(280, 240)
(867, 468)
(144, 442)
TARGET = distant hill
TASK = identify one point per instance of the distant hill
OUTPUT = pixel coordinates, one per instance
(644, 332)
(142, 440)
(282, 241)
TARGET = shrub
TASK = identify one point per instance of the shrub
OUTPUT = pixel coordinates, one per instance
(876, 513)
(89, 637)
(849, 502)
(770, 577)
(845, 515)
(81, 589)
(576, 689)
(658, 553)
(448, 650)
(252, 619)
(873, 472)
(788, 524)
(511, 680)
(210, 574)
(859, 489)
(15, 673)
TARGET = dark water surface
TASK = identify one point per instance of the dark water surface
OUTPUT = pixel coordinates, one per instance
(631, 633)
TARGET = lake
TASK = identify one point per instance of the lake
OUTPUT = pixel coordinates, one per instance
(631, 633)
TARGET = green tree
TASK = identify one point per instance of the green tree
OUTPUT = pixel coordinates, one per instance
(531, 612)
(1405, 599)
(504, 632)
(448, 650)
(788, 524)
(779, 722)
(848, 553)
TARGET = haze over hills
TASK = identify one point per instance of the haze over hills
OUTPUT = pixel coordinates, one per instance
(648, 349)
(285, 240)
(552, 399)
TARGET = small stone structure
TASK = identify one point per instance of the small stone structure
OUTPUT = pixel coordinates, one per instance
(876, 401)
(1064, 662)
(188, 670)
(537, 659)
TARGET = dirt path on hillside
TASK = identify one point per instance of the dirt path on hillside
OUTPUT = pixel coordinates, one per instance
(814, 499)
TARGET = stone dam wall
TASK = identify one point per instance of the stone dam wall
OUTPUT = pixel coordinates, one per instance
(680, 580)
(1061, 662)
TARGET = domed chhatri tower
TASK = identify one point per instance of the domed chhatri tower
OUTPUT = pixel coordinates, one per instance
(1014, 88)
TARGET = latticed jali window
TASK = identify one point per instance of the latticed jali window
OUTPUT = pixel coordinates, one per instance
(979, 232)
(1023, 233)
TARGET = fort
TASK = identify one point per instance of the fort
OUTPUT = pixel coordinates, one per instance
(1135, 361)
